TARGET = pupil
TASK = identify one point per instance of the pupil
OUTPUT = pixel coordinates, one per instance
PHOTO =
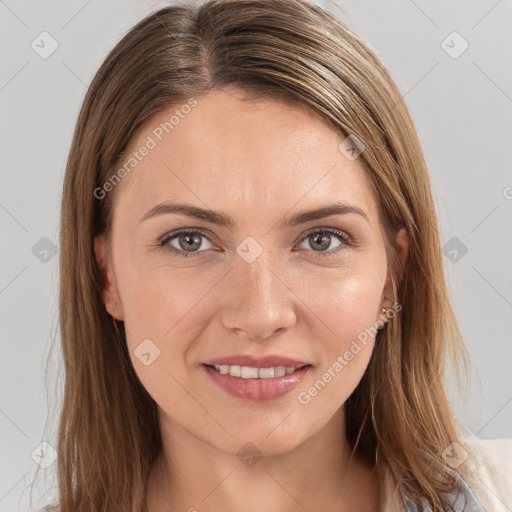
(189, 239)
(321, 238)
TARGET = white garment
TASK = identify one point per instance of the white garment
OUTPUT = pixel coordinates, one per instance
(490, 482)
(491, 460)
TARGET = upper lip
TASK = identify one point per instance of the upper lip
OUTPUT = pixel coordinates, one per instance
(256, 361)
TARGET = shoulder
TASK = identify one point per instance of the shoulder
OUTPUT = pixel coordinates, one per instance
(489, 480)
(490, 462)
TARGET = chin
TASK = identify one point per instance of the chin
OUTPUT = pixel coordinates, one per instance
(263, 438)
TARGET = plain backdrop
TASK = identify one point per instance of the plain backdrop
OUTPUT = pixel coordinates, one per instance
(450, 59)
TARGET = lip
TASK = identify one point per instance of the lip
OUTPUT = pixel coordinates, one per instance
(256, 361)
(256, 389)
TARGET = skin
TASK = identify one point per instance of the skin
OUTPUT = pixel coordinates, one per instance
(258, 163)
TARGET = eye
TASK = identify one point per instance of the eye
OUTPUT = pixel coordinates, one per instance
(321, 239)
(186, 243)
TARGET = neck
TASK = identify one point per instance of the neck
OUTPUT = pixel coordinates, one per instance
(319, 474)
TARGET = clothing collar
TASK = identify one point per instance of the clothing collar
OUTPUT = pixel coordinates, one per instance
(461, 497)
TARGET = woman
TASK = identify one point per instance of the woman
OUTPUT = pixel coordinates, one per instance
(253, 307)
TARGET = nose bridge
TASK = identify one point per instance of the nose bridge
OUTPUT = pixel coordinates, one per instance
(260, 287)
(259, 273)
(258, 302)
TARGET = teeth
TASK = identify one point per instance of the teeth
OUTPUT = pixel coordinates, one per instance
(249, 372)
(279, 371)
(266, 373)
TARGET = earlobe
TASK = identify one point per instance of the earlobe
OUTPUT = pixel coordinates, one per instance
(110, 296)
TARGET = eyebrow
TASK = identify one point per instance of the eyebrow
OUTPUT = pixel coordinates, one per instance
(222, 219)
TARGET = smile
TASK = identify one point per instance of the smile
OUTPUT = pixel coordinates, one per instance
(253, 383)
(249, 372)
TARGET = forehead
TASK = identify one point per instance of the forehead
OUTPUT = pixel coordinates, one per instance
(261, 154)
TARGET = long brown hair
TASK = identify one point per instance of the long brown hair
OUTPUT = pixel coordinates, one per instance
(399, 414)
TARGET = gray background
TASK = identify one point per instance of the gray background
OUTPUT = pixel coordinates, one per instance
(462, 107)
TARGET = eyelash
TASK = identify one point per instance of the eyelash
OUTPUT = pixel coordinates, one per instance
(347, 241)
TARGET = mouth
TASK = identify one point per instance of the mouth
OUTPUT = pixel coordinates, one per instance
(256, 383)
(254, 372)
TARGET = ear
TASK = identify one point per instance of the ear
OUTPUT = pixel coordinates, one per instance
(402, 248)
(110, 294)
(402, 244)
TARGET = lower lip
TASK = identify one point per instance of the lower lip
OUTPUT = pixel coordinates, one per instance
(257, 389)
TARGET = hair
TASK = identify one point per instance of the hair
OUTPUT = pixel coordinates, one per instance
(399, 415)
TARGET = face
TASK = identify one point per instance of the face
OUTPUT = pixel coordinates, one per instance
(256, 279)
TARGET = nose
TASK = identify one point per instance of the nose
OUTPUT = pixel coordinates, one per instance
(258, 303)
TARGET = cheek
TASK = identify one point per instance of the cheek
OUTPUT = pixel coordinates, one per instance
(344, 310)
(345, 300)
(170, 303)
(173, 307)
(156, 296)
(168, 307)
